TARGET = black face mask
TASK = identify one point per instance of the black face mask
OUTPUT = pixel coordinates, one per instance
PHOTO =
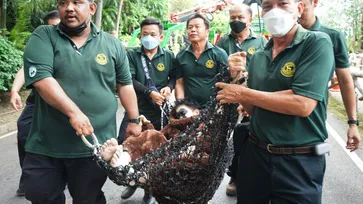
(237, 26)
(73, 31)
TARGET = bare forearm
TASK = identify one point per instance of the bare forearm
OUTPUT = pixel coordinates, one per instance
(179, 89)
(19, 80)
(52, 93)
(347, 91)
(284, 102)
(128, 99)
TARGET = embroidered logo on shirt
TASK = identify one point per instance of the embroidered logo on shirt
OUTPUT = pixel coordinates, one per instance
(160, 67)
(101, 59)
(32, 72)
(288, 70)
(209, 64)
(251, 50)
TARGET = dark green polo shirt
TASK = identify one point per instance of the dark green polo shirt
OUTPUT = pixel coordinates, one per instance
(305, 67)
(250, 45)
(87, 75)
(160, 70)
(341, 54)
(199, 74)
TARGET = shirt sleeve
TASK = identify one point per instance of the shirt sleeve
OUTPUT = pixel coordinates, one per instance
(171, 82)
(123, 75)
(38, 56)
(315, 67)
(341, 51)
(178, 69)
(130, 57)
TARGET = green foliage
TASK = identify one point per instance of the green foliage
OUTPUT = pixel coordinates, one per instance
(10, 62)
(30, 15)
(134, 11)
(220, 23)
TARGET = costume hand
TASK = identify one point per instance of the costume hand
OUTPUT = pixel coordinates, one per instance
(81, 124)
(241, 110)
(237, 65)
(165, 92)
(15, 101)
(353, 138)
(157, 98)
(230, 93)
(133, 129)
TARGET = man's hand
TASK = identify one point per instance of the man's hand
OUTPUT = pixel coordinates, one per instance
(165, 92)
(353, 140)
(157, 98)
(81, 124)
(15, 101)
(230, 93)
(133, 129)
(241, 110)
(237, 65)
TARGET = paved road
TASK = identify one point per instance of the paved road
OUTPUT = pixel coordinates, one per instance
(343, 181)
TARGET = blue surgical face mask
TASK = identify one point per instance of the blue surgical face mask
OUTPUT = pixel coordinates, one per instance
(149, 42)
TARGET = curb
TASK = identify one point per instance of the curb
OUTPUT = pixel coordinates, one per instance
(9, 127)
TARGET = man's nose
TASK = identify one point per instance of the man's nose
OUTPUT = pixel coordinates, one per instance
(70, 6)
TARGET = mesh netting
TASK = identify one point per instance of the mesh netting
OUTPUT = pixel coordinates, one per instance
(188, 168)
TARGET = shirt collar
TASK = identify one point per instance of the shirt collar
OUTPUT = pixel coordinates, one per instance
(316, 26)
(141, 50)
(208, 46)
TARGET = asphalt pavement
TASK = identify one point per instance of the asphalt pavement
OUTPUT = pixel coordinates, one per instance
(343, 183)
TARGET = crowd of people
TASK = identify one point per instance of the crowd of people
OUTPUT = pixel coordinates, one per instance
(74, 68)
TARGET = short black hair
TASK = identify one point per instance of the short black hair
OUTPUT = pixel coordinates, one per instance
(51, 15)
(152, 21)
(197, 15)
(187, 102)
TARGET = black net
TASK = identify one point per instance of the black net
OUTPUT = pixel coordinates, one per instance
(188, 168)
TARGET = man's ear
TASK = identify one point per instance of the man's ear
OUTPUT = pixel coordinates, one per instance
(300, 8)
(161, 38)
(93, 8)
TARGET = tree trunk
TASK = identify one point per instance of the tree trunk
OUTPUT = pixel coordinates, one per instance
(98, 15)
(3, 14)
(361, 33)
(118, 18)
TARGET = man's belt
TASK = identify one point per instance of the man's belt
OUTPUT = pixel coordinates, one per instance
(280, 150)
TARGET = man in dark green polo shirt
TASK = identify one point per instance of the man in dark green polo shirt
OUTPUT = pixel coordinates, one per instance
(75, 68)
(153, 78)
(309, 21)
(198, 64)
(287, 98)
(241, 38)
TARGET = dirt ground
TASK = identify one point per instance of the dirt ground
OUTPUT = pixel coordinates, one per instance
(7, 113)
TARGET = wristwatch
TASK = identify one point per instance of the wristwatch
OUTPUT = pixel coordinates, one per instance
(137, 120)
(353, 122)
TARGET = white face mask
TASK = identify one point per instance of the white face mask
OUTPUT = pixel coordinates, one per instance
(278, 22)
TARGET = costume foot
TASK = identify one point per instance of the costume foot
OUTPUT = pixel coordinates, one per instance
(120, 158)
(108, 149)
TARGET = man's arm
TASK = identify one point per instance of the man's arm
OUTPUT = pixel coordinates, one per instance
(284, 102)
(128, 99)
(347, 91)
(19, 81)
(52, 93)
(179, 89)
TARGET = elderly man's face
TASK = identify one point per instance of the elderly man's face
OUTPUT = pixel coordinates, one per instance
(197, 31)
(287, 5)
(240, 14)
(75, 12)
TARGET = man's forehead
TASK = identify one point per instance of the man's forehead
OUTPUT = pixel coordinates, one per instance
(196, 21)
(150, 28)
(275, 1)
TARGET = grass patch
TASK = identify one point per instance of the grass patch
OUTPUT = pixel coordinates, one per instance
(337, 108)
